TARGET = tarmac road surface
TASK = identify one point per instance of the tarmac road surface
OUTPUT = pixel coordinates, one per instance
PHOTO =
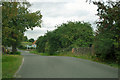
(36, 66)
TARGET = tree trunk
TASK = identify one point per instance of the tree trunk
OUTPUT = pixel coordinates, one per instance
(14, 48)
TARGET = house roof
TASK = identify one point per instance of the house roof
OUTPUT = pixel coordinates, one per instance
(34, 42)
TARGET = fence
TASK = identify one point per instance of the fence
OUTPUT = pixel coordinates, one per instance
(83, 50)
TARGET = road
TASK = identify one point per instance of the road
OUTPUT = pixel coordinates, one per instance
(36, 66)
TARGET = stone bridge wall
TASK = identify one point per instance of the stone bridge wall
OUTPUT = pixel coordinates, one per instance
(83, 50)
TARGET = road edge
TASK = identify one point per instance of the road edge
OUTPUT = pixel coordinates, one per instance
(15, 75)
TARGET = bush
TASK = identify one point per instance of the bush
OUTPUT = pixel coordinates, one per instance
(31, 48)
(104, 46)
(22, 47)
(16, 53)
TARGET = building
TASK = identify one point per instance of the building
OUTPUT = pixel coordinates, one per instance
(34, 44)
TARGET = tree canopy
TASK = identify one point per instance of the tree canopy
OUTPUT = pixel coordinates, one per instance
(107, 40)
(31, 40)
(16, 19)
(66, 36)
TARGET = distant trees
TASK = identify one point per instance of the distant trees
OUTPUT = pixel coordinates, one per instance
(107, 40)
(25, 38)
(31, 40)
(66, 36)
(16, 19)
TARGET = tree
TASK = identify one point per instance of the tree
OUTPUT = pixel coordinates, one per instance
(17, 18)
(31, 40)
(66, 36)
(107, 40)
(41, 43)
(0, 24)
(25, 38)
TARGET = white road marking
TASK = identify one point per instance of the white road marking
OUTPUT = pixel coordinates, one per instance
(19, 69)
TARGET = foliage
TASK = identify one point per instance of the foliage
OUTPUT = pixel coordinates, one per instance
(25, 39)
(22, 47)
(31, 40)
(36, 52)
(31, 48)
(104, 46)
(26, 43)
(41, 43)
(107, 40)
(17, 18)
(81, 56)
(15, 53)
(67, 35)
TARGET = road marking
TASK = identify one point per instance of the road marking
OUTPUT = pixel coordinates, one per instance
(19, 69)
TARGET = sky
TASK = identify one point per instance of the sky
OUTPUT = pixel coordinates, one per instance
(56, 12)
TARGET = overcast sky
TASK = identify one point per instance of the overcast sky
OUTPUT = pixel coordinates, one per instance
(56, 12)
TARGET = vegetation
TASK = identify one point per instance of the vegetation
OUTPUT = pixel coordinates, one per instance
(81, 56)
(36, 52)
(31, 40)
(65, 37)
(23, 45)
(16, 53)
(25, 39)
(16, 19)
(26, 43)
(10, 64)
(107, 39)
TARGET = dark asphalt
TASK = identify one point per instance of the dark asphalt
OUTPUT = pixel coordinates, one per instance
(36, 66)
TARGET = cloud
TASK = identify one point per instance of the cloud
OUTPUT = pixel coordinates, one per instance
(56, 12)
(53, 0)
(36, 32)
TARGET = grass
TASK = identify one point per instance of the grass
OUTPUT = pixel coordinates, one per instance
(112, 64)
(36, 52)
(82, 56)
(70, 54)
(26, 43)
(89, 57)
(10, 64)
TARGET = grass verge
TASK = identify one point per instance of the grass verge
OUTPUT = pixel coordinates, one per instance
(82, 56)
(42, 54)
(10, 64)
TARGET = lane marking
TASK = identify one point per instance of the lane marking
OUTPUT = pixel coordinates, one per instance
(19, 69)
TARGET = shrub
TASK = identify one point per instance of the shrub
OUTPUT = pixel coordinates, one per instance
(104, 46)
(16, 53)
(22, 47)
